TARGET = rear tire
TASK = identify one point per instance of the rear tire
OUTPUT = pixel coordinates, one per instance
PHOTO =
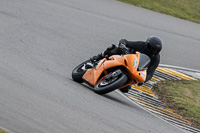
(102, 88)
(78, 72)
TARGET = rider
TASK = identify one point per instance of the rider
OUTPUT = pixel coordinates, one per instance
(151, 47)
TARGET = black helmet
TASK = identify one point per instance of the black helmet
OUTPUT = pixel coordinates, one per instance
(154, 44)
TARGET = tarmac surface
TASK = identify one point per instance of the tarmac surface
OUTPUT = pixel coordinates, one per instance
(41, 41)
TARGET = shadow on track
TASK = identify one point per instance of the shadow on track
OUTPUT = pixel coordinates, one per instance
(120, 100)
(116, 98)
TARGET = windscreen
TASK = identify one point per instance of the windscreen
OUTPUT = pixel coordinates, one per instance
(144, 62)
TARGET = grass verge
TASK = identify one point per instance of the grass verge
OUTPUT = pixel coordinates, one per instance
(2, 131)
(184, 9)
(181, 96)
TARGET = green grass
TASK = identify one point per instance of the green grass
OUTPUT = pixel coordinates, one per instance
(183, 97)
(2, 131)
(184, 9)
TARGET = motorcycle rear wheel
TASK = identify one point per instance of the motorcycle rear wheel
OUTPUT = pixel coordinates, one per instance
(104, 86)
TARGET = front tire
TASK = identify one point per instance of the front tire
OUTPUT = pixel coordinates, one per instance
(104, 87)
(79, 71)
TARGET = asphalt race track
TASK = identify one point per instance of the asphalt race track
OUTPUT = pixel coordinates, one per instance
(41, 41)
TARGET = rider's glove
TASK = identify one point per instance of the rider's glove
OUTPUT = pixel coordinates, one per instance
(123, 49)
(140, 84)
(123, 41)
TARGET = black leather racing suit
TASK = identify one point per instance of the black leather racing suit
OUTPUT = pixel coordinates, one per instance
(141, 47)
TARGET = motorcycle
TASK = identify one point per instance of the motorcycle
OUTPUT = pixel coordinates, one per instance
(114, 72)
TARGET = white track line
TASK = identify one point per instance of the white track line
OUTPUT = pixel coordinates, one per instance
(148, 110)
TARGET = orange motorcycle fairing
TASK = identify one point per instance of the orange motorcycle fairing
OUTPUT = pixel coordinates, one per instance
(91, 76)
(130, 62)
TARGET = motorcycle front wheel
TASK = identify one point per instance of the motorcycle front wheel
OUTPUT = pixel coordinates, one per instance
(79, 71)
(107, 85)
